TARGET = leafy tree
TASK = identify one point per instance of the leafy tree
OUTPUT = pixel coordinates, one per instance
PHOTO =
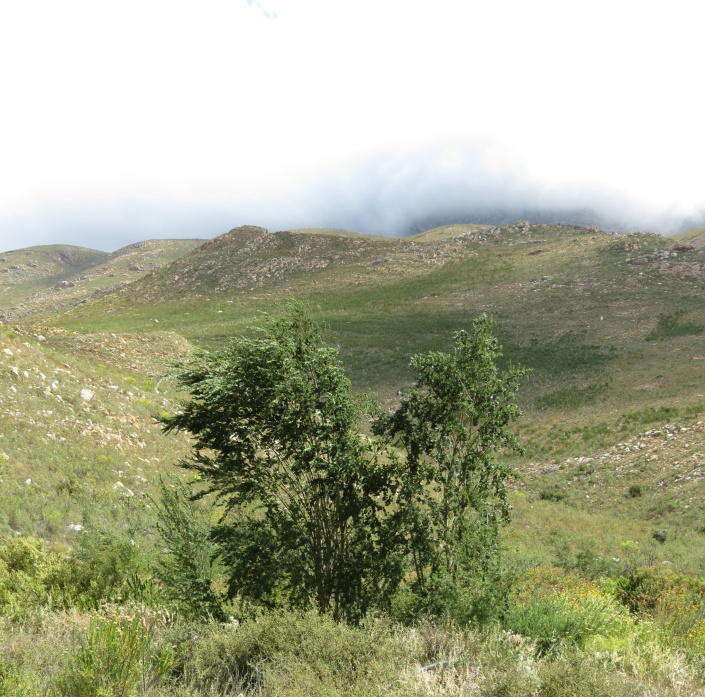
(314, 510)
(188, 569)
(450, 426)
(310, 503)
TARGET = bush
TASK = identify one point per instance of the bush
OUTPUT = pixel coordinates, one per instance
(673, 324)
(308, 502)
(314, 511)
(586, 561)
(635, 491)
(116, 656)
(572, 397)
(283, 653)
(450, 426)
(570, 618)
(188, 569)
(553, 493)
(477, 598)
(27, 568)
(106, 567)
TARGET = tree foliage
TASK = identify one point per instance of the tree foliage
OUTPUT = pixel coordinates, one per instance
(188, 569)
(309, 501)
(450, 426)
(314, 510)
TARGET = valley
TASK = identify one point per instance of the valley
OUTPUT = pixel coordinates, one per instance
(574, 305)
(611, 476)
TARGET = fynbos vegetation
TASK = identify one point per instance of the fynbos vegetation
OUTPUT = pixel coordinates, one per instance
(316, 540)
(314, 511)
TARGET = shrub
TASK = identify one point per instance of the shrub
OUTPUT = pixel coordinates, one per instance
(476, 598)
(638, 590)
(572, 397)
(673, 324)
(315, 511)
(450, 426)
(586, 561)
(115, 657)
(27, 567)
(572, 618)
(309, 502)
(103, 568)
(635, 491)
(675, 602)
(553, 493)
(188, 569)
(106, 567)
(284, 653)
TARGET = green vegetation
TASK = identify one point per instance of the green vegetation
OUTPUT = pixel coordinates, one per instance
(112, 584)
(310, 504)
(631, 634)
(53, 278)
(450, 426)
(573, 396)
(316, 512)
(672, 324)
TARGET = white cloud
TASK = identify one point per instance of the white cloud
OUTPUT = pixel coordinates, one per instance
(122, 117)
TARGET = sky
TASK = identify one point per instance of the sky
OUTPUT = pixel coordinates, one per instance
(131, 119)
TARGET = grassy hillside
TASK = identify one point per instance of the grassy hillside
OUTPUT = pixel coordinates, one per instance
(52, 279)
(612, 480)
(78, 440)
(695, 237)
(449, 231)
(25, 271)
(611, 326)
(578, 307)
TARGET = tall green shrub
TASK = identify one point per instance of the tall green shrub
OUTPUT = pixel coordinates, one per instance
(310, 509)
(316, 511)
(188, 567)
(451, 426)
(117, 657)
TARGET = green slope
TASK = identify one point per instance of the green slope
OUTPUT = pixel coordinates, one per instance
(26, 271)
(575, 305)
(90, 273)
(79, 444)
(695, 237)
